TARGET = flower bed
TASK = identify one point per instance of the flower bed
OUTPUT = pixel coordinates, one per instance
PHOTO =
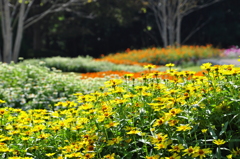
(185, 116)
(82, 64)
(162, 56)
(33, 86)
(231, 52)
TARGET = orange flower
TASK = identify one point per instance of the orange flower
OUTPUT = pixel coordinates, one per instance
(162, 56)
(162, 75)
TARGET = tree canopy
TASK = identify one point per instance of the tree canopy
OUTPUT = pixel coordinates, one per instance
(108, 26)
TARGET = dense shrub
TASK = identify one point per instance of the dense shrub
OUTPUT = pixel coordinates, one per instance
(33, 86)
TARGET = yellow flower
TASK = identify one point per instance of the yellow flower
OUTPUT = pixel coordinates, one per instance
(146, 94)
(159, 138)
(134, 132)
(175, 111)
(161, 145)
(25, 138)
(174, 156)
(128, 140)
(128, 75)
(43, 136)
(150, 66)
(204, 131)
(111, 124)
(75, 154)
(9, 127)
(206, 66)
(235, 152)
(115, 141)
(172, 122)
(202, 153)
(229, 156)
(141, 88)
(88, 155)
(113, 82)
(184, 127)
(170, 65)
(158, 122)
(176, 148)
(190, 151)
(110, 156)
(153, 157)
(219, 142)
(131, 96)
(50, 154)
(172, 71)
(152, 129)
(5, 138)
(2, 101)
(2, 111)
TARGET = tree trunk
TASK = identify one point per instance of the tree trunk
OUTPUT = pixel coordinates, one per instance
(171, 21)
(1, 11)
(178, 30)
(19, 35)
(171, 32)
(10, 11)
(164, 33)
(7, 31)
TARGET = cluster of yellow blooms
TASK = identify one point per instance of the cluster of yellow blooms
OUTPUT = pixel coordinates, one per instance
(148, 117)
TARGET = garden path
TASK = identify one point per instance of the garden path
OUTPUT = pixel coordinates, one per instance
(222, 61)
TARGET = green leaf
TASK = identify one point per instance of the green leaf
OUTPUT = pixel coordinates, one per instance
(136, 150)
(223, 129)
(218, 152)
(144, 141)
(195, 128)
(234, 140)
(144, 10)
(212, 133)
(149, 28)
(61, 18)
(132, 91)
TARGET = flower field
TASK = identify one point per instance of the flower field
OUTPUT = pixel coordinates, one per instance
(155, 115)
(82, 64)
(232, 52)
(131, 60)
(162, 56)
(30, 86)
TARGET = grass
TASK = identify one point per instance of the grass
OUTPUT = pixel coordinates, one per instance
(193, 68)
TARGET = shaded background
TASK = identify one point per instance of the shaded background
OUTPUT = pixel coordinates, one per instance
(118, 25)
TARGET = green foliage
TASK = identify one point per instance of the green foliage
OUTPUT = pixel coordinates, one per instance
(30, 86)
(179, 116)
(83, 64)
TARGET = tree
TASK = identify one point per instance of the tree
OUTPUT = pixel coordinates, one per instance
(15, 18)
(117, 25)
(169, 14)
